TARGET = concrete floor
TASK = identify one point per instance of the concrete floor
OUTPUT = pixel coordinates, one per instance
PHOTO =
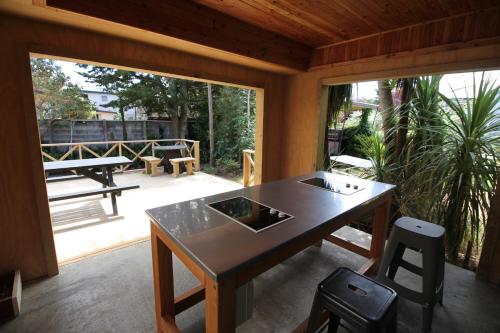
(113, 292)
(85, 225)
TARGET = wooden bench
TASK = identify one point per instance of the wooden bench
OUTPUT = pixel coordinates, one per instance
(188, 162)
(70, 177)
(151, 165)
(114, 190)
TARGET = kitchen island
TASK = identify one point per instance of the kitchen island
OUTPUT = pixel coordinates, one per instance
(227, 239)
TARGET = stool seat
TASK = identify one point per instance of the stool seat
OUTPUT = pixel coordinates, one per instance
(360, 301)
(419, 227)
(363, 296)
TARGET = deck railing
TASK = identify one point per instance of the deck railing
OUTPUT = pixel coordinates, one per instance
(248, 167)
(119, 147)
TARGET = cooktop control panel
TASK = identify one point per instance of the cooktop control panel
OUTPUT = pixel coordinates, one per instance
(331, 185)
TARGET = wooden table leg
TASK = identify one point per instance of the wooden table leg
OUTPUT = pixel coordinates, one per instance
(220, 305)
(103, 173)
(189, 168)
(148, 166)
(113, 195)
(379, 235)
(176, 169)
(163, 277)
(154, 168)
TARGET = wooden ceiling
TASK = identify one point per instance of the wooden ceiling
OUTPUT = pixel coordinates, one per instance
(302, 34)
(321, 22)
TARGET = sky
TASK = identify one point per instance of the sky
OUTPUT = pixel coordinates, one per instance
(461, 83)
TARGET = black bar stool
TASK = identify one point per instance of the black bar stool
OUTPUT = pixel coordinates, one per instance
(363, 303)
(428, 239)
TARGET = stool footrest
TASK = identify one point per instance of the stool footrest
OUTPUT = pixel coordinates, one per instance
(411, 267)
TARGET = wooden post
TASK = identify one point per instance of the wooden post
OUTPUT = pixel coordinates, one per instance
(246, 169)
(247, 166)
(197, 155)
(381, 216)
(163, 278)
(220, 304)
(120, 153)
(489, 263)
(80, 150)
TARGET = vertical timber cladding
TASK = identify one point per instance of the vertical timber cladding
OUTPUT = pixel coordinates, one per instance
(489, 264)
(23, 242)
(26, 239)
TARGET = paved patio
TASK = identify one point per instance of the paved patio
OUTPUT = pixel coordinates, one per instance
(113, 292)
(86, 225)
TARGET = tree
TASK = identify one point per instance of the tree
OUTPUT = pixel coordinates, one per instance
(232, 133)
(339, 99)
(230, 125)
(158, 95)
(386, 108)
(55, 96)
(467, 167)
(211, 124)
(406, 89)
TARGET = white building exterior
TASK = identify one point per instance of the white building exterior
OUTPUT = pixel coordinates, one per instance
(99, 99)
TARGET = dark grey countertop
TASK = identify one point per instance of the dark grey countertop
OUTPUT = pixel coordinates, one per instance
(221, 245)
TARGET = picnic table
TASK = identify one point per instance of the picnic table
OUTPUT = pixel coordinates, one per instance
(86, 168)
(352, 161)
(167, 153)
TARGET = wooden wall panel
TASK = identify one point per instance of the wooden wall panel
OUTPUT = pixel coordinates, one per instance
(26, 240)
(489, 265)
(21, 244)
(196, 23)
(456, 32)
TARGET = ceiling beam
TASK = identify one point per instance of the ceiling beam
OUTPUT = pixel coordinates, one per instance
(460, 31)
(188, 21)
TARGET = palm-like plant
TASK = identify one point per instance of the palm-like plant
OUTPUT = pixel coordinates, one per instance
(466, 167)
(415, 164)
(373, 146)
(339, 99)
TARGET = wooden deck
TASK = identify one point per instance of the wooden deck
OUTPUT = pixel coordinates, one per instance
(85, 226)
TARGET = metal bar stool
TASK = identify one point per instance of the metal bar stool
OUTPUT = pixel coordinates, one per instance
(363, 303)
(428, 239)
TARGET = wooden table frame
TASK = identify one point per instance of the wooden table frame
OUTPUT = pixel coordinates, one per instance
(105, 178)
(220, 296)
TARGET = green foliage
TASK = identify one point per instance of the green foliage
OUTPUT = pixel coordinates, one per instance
(158, 96)
(352, 144)
(55, 96)
(339, 100)
(448, 169)
(467, 168)
(234, 130)
(227, 166)
(374, 148)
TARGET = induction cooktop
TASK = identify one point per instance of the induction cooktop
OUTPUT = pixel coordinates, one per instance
(328, 183)
(251, 214)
